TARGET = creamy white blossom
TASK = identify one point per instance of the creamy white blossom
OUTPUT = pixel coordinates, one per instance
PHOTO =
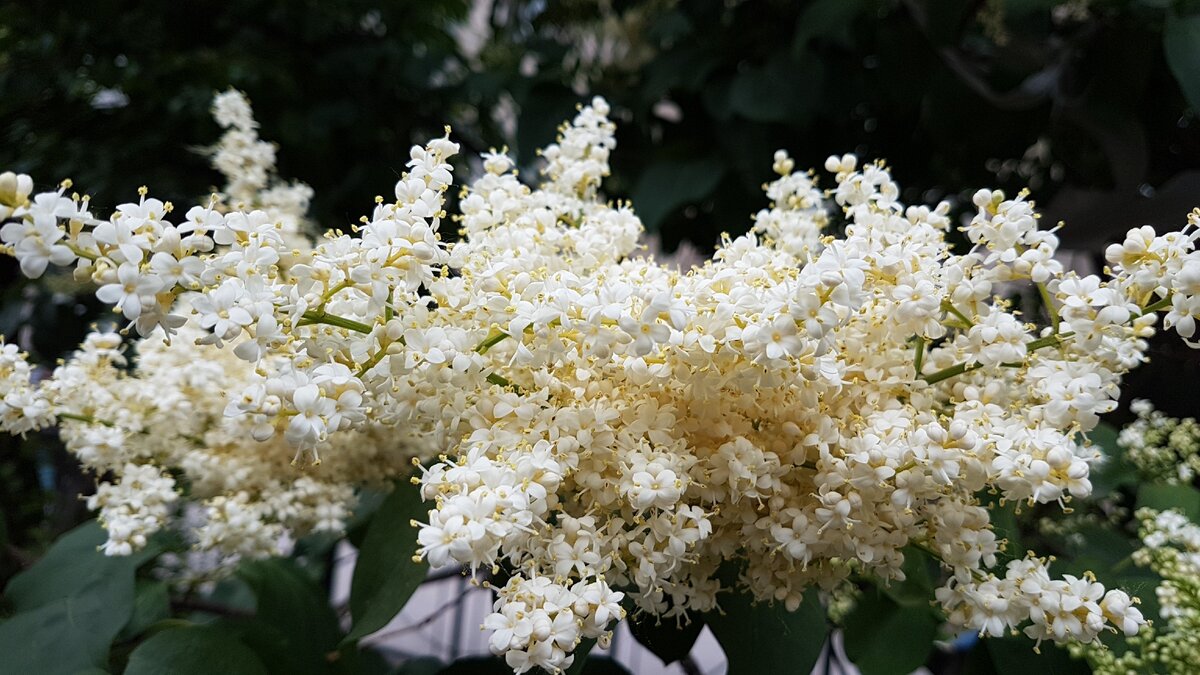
(592, 420)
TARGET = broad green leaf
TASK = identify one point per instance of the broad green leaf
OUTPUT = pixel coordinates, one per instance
(669, 185)
(1116, 471)
(477, 665)
(824, 18)
(1016, 655)
(386, 575)
(917, 588)
(668, 642)
(151, 603)
(196, 650)
(762, 638)
(1184, 498)
(884, 638)
(70, 566)
(422, 665)
(294, 627)
(1181, 41)
(69, 606)
(61, 637)
(777, 91)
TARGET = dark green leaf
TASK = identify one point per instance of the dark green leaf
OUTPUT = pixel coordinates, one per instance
(63, 636)
(1181, 40)
(151, 603)
(480, 665)
(824, 18)
(668, 185)
(197, 650)
(1116, 471)
(668, 642)
(72, 565)
(386, 575)
(778, 91)
(294, 626)
(70, 605)
(1016, 655)
(761, 638)
(884, 638)
(423, 665)
(1184, 498)
(917, 588)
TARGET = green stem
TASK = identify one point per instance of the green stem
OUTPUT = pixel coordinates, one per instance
(84, 418)
(371, 362)
(1161, 303)
(966, 367)
(919, 357)
(949, 307)
(342, 285)
(495, 337)
(499, 379)
(1050, 307)
(317, 316)
(81, 253)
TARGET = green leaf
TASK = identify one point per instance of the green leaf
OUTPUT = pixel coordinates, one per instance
(386, 575)
(884, 638)
(477, 665)
(1183, 498)
(196, 650)
(824, 18)
(69, 606)
(778, 91)
(151, 603)
(64, 636)
(294, 627)
(1016, 655)
(668, 642)
(668, 185)
(1116, 471)
(1181, 41)
(917, 588)
(422, 665)
(761, 638)
(71, 566)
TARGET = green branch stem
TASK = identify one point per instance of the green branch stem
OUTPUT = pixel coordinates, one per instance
(949, 307)
(968, 366)
(314, 316)
(88, 419)
(1051, 309)
(1161, 303)
(495, 337)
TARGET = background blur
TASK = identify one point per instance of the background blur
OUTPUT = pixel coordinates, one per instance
(1091, 104)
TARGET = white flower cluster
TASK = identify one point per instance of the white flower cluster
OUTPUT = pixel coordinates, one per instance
(1164, 449)
(133, 507)
(1171, 549)
(538, 622)
(248, 165)
(1064, 609)
(161, 424)
(799, 402)
(22, 407)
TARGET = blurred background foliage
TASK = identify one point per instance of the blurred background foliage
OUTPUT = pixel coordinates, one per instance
(1091, 104)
